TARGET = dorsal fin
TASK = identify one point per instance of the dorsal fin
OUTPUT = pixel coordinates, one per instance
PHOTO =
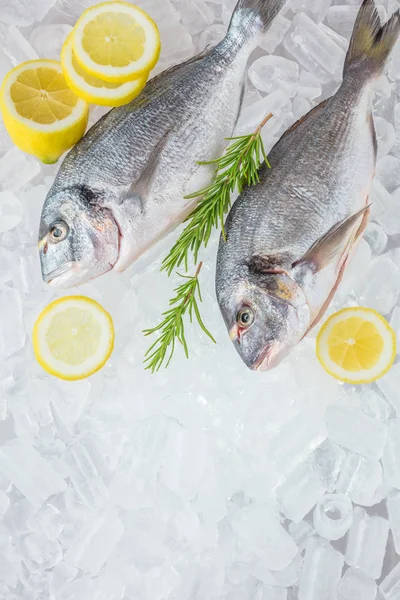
(185, 63)
(306, 116)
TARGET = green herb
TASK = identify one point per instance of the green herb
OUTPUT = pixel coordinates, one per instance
(237, 168)
(172, 327)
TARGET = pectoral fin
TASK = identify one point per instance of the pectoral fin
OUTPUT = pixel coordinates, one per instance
(332, 244)
(141, 187)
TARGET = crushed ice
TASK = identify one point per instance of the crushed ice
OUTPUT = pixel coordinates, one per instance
(204, 481)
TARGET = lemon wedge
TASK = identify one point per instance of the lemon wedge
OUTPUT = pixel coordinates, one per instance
(42, 115)
(73, 337)
(95, 90)
(116, 42)
(356, 345)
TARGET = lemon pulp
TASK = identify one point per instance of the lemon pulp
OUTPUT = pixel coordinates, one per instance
(113, 39)
(73, 337)
(356, 345)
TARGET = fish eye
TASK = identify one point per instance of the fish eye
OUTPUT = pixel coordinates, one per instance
(58, 231)
(245, 317)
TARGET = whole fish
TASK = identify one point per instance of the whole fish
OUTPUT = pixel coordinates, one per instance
(122, 187)
(289, 238)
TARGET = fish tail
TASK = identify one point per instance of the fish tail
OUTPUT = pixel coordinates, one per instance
(371, 42)
(253, 17)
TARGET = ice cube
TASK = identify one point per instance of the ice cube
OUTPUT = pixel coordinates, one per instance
(314, 49)
(12, 334)
(342, 18)
(387, 385)
(184, 460)
(376, 238)
(366, 543)
(38, 552)
(267, 592)
(162, 13)
(391, 456)
(48, 40)
(321, 572)
(276, 103)
(23, 12)
(10, 211)
(327, 461)
(380, 198)
(317, 9)
(355, 585)
(355, 272)
(301, 532)
(95, 541)
(5, 140)
(210, 36)
(300, 492)
(176, 44)
(353, 429)
(17, 169)
(395, 322)
(386, 136)
(15, 47)
(301, 107)
(271, 73)
(390, 586)
(390, 219)
(309, 85)
(4, 503)
(84, 475)
(48, 521)
(258, 528)
(388, 172)
(394, 70)
(275, 34)
(360, 478)
(296, 441)
(333, 516)
(393, 506)
(196, 15)
(29, 472)
(382, 285)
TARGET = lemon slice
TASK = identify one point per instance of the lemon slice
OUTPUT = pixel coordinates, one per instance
(116, 41)
(73, 337)
(41, 114)
(356, 345)
(95, 90)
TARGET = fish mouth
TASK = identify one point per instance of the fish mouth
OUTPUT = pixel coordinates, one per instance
(263, 360)
(56, 274)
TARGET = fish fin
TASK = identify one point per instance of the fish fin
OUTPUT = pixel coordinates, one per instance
(141, 188)
(305, 117)
(371, 42)
(170, 70)
(253, 16)
(331, 244)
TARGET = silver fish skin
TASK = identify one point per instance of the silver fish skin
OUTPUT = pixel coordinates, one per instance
(122, 187)
(289, 238)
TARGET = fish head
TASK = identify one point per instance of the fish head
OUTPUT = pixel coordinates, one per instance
(266, 316)
(78, 238)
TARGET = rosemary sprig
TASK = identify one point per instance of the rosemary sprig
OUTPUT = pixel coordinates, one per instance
(237, 168)
(172, 327)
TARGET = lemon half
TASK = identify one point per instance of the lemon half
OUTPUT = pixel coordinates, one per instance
(356, 345)
(42, 115)
(73, 337)
(116, 42)
(95, 90)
